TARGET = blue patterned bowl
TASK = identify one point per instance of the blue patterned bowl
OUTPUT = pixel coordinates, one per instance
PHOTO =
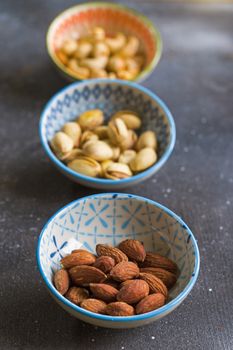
(110, 218)
(110, 96)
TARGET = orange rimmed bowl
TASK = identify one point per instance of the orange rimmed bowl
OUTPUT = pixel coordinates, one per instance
(78, 21)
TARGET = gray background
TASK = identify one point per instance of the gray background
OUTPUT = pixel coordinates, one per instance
(195, 79)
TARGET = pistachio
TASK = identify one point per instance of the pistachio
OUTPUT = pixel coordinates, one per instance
(117, 171)
(115, 149)
(73, 130)
(104, 166)
(85, 165)
(101, 132)
(69, 47)
(129, 141)
(97, 150)
(127, 156)
(116, 42)
(89, 120)
(117, 131)
(83, 50)
(132, 121)
(145, 158)
(73, 154)
(88, 135)
(147, 139)
(82, 72)
(61, 144)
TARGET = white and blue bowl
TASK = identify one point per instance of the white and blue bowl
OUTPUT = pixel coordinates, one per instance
(109, 96)
(110, 218)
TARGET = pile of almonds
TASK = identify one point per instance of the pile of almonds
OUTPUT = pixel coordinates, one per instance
(99, 55)
(121, 281)
(113, 151)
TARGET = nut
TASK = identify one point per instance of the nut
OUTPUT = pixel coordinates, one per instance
(157, 260)
(84, 49)
(104, 292)
(117, 131)
(76, 295)
(73, 130)
(101, 132)
(126, 283)
(126, 156)
(119, 308)
(73, 154)
(150, 303)
(133, 292)
(82, 257)
(100, 49)
(98, 33)
(116, 42)
(117, 171)
(94, 63)
(89, 120)
(132, 121)
(94, 305)
(116, 254)
(61, 281)
(98, 150)
(147, 139)
(62, 57)
(168, 278)
(134, 249)
(98, 73)
(131, 47)
(130, 141)
(81, 72)
(61, 144)
(88, 135)
(83, 275)
(104, 263)
(69, 47)
(124, 271)
(116, 63)
(144, 159)
(85, 165)
(155, 283)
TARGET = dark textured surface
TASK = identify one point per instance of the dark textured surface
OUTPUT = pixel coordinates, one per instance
(195, 79)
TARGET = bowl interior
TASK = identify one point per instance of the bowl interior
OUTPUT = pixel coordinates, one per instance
(79, 20)
(109, 97)
(111, 218)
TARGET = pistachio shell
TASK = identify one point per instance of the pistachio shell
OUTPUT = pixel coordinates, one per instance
(73, 154)
(61, 144)
(73, 130)
(101, 132)
(89, 120)
(115, 149)
(104, 166)
(88, 135)
(98, 150)
(143, 160)
(127, 156)
(147, 139)
(129, 141)
(117, 171)
(132, 121)
(117, 131)
(85, 165)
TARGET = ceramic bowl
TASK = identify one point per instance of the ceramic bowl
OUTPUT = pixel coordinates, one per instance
(79, 20)
(110, 218)
(109, 96)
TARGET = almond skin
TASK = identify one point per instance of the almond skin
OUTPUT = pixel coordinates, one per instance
(94, 305)
(168, 278)
(119, 308)
(155, 283)
(61, 281)
(81, 257)
(104, 263)
(134, 249)
(104, 292)
(112, 283)
(84, 275)
(157, 260)
(77, 295)
(124, 271)
(150, 303)
(133, 292)
(126, 283)
(115, 253)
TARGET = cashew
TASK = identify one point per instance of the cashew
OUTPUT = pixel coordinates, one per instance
(116, 63)
(112, 75)
(94, 63)
(116, 42)
(98, 33)
(69, 47)
(82, 72)
(126, 75)
(131, 47)
(132, 65)
(83, 50)
(62, 57)
(100, 49)
(98, 73)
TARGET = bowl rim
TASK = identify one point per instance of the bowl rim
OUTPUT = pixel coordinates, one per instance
(154, 168)
(147, 22)
(162, 310)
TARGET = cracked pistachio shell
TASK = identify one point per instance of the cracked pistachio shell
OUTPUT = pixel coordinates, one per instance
(116, 151)
(145, 158)
(101, 132)
(97, 150)
(89, 120)
(147, 139)
(88, 136)
(73, 154)
(117, 171)
(132, 121)
(104, 166)
(85, 165)
(129, 141)
(61, 144)
(127, 156)
(117, 131)
(73, 130)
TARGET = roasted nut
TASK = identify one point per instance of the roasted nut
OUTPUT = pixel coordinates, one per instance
(132, 121)
(157, 260)
(81, 72)
(97, 150)
(83, 50)
(150, 303)
(94, 305)
(126, 156)
(117, 171)
(126, 75)
(73, 154)
(129, 141)
(101, 132)
(94, 63)
(133, 292)
(116, 63)
(168, 278)
(104, 263)
(134, 249)
(104, 292)
(147, 139)
(89, 120)
(98, 73)
(116, 42)
(98, 33)
(117, 131)
(112, 75)
(85, 165)
(131, 47)
(61, 281)
(69, 47)
(156, 284)
(62, 57)
(79, 257)
(88, 135)
(119, 308)
(61, 144)
(124, 270)
(73, 130)
(145, 158)
(115, 253)
(100, 49)
(84, 275)
(77, 295)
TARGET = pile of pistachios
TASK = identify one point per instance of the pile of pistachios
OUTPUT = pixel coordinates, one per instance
(100, 56)
(113, 151)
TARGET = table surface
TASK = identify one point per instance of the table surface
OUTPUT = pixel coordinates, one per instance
(194, 77)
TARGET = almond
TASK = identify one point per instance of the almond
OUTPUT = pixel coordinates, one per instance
(134, 249)
(104, 263)
(124, 271)
(103, 291)
(61, 281)
(119, 308)
(83, 275)
(94, 305)
(112, 283)
(115, 253)
(125, 283)
(133, 292)
(157, 260)
(77, 295)
(155, 283)
(150, 303)
(168, 278)
(79, 257)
